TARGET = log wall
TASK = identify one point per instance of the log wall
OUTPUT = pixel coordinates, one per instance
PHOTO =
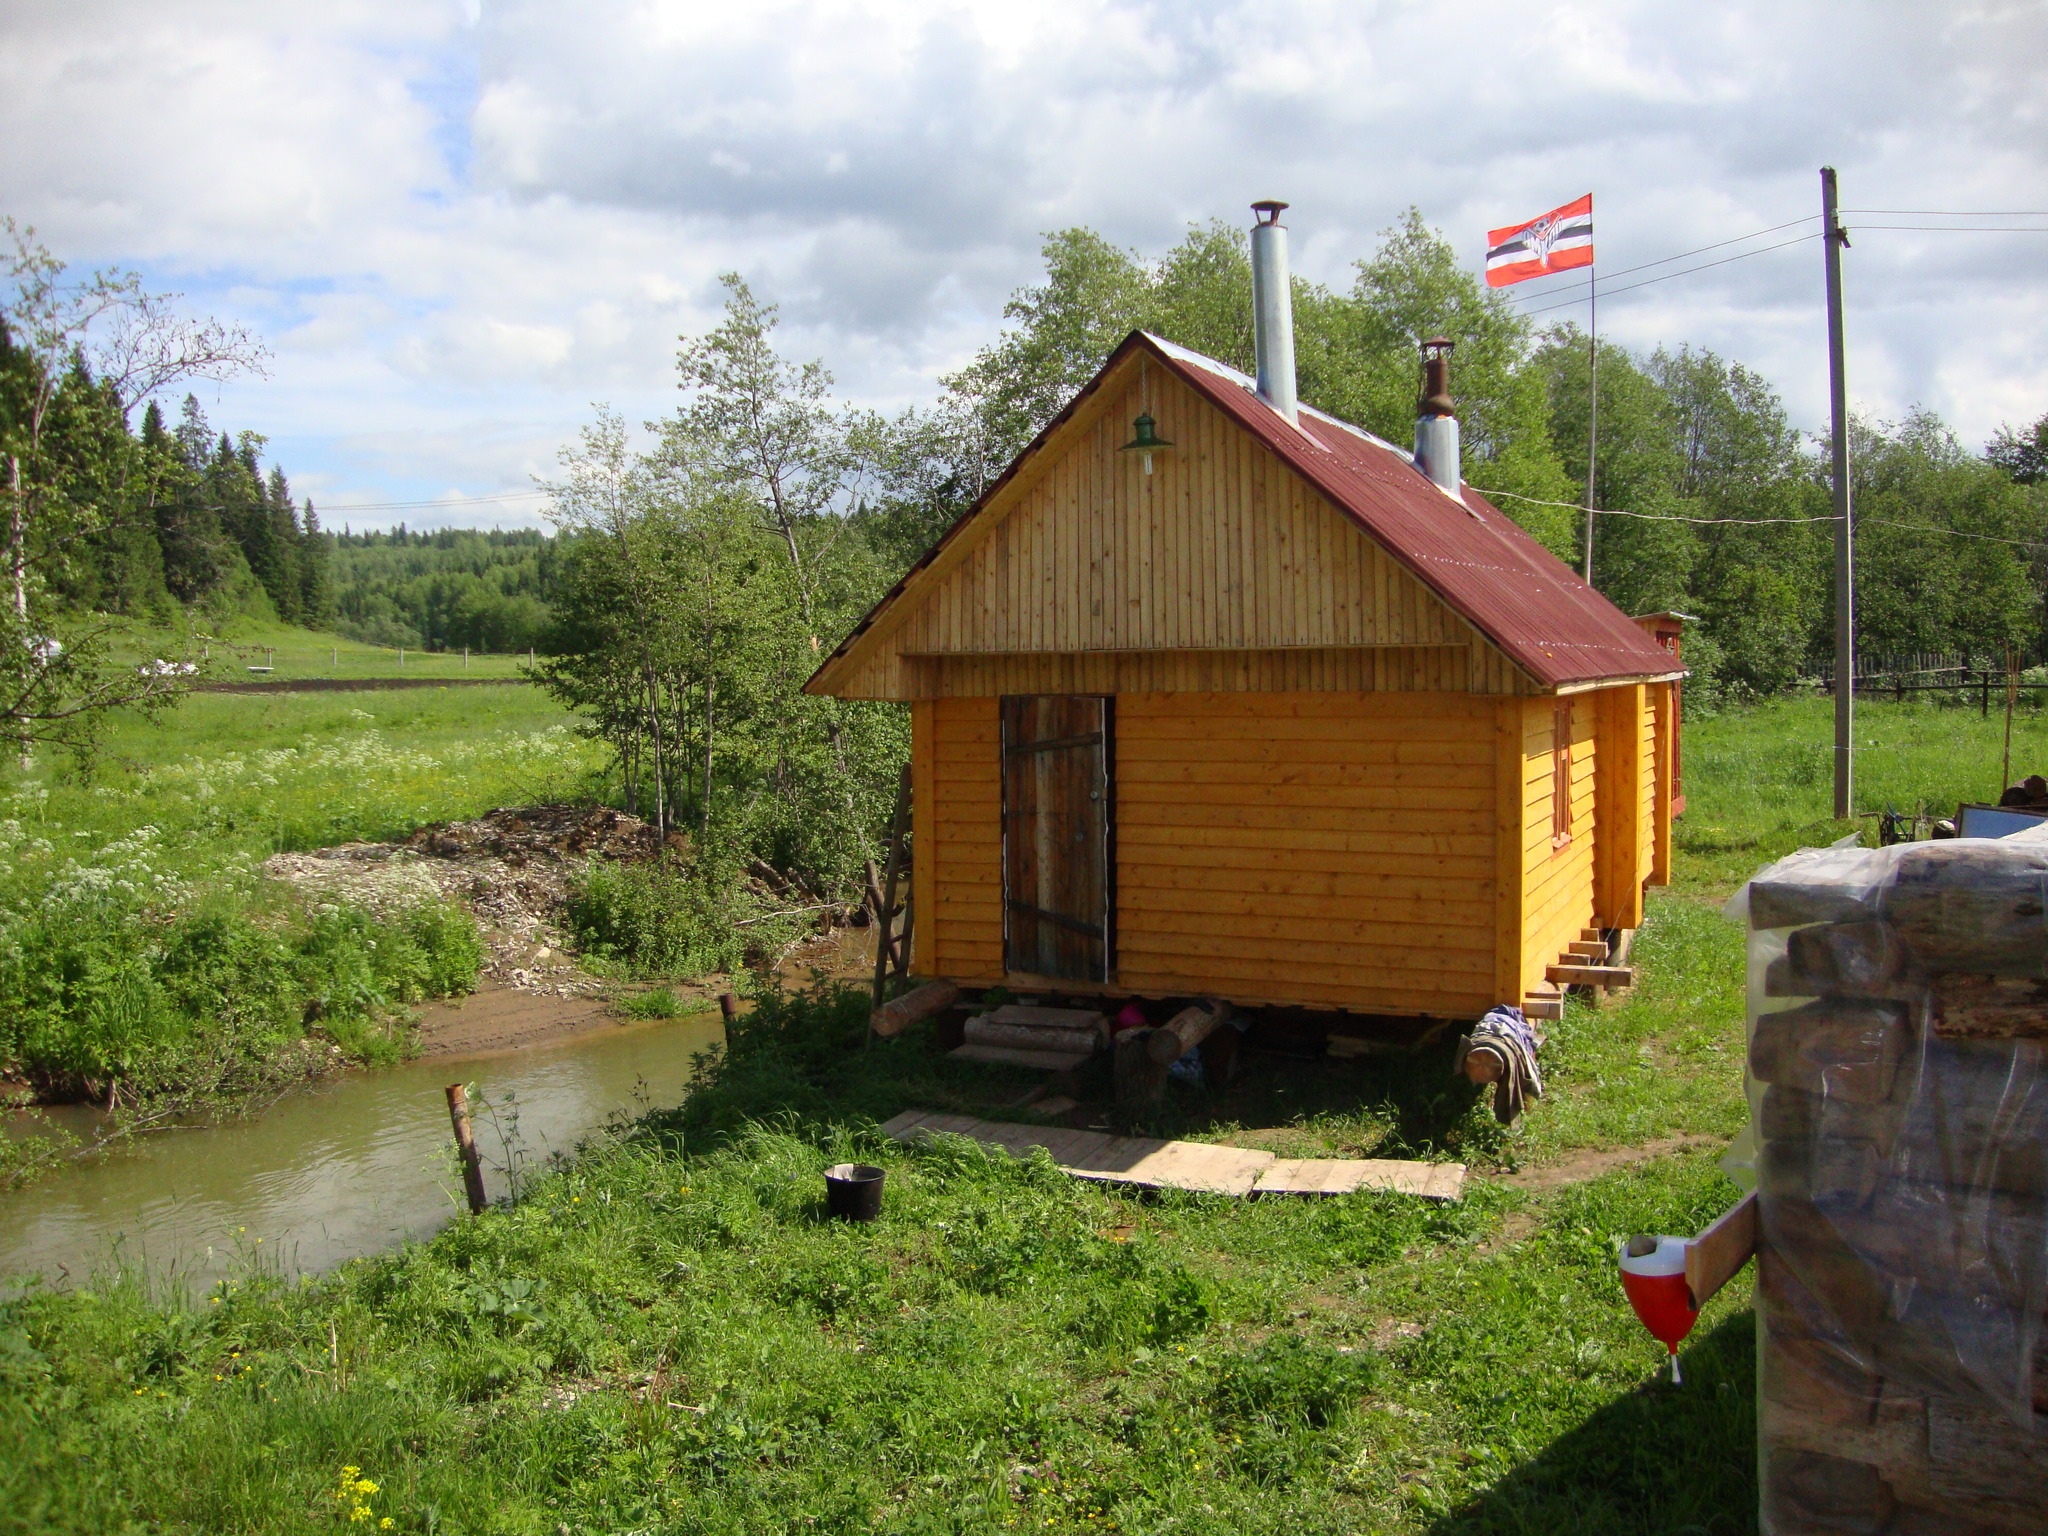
(1326, 850)
(1557, 876)
(1321, 849)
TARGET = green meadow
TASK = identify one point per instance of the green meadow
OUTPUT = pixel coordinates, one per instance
(665, 1334)
(255, 650)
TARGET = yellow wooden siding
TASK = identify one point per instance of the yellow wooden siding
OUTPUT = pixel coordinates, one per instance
(1512, 813)
(1379, 669)
(1647, 724)
(1305, 848)
(1660, 809)
(1222, 549)
(1557, 880)
(1619, 835)
(957, 781)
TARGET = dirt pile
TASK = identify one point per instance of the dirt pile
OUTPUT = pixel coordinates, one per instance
(511, 868)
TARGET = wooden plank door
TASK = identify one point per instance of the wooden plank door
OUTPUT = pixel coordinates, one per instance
(1056, 828)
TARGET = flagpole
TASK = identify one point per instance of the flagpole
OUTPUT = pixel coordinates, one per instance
(1593, 428)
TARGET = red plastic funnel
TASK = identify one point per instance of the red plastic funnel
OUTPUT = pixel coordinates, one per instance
(1653, 1276)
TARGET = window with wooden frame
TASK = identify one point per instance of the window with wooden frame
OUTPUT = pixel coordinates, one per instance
(1561, 774)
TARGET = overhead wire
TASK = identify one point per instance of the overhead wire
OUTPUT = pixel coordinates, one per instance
(1953, 213)
(1663, 261)
(1963, 229)
(1757, 522)
(1686, 272)
(1566, 295)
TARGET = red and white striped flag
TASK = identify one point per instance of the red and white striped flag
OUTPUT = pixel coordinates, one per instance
(1556, 242)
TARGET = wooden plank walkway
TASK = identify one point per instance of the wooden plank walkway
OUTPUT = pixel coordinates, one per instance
(1151, 1164)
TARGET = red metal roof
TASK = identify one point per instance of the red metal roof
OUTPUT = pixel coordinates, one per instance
(1483, 565)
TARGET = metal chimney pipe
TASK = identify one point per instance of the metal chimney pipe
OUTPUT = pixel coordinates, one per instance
(1273, 309)
(1436, 421)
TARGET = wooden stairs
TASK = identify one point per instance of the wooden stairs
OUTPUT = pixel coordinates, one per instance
(1589, 963)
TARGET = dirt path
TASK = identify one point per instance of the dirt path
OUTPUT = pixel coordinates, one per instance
(1591, 1162)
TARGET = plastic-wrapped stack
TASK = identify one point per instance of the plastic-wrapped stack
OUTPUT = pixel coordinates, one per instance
(1898, 1030)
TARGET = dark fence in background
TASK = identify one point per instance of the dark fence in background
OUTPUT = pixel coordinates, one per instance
(1977, 678)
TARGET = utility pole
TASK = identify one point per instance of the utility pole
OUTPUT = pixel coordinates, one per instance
(1833, 238)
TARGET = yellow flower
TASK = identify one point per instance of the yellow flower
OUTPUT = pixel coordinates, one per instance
(366, 1487)
(385, 1524)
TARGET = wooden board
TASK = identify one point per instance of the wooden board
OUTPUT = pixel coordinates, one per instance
(1714, 1257)
(1056, 836)
(1344, 1176)
(1021, 1056)
(1086, 1019)
(1151, 1164)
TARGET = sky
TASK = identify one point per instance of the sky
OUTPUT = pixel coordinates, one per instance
(457, 226)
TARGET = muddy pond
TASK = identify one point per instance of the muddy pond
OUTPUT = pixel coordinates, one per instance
(351, 1167)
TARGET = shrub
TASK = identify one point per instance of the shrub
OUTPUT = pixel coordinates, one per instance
(670, 917)
(91, 993)
(660, 1003)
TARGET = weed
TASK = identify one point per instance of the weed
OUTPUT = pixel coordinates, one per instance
(657, 1003)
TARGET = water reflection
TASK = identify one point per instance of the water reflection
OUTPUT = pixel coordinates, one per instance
(324, 1175)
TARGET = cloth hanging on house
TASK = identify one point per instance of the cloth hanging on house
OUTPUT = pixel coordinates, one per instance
(1514, 1040)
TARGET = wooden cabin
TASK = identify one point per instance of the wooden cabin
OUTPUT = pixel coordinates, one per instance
(1211, 698)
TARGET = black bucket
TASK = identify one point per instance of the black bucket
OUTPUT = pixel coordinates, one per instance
(853, 1191)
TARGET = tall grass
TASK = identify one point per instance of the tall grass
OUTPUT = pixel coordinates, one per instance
(1760, 781)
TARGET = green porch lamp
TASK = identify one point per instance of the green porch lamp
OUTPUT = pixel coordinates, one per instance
(1146, 441)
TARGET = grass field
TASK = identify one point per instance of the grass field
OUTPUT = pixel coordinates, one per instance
(666, 1336)
(290, 652)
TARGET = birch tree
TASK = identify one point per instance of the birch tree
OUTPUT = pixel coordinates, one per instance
(102, 343)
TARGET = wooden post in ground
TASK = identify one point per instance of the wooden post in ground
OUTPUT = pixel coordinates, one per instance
(465, 1143)
(728, 1006)
(2012, 694)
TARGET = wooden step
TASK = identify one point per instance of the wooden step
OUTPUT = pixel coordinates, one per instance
(1013, 1056)
(1593, 950)
(1590, 975)
(1538, 1006)
(1590, 934)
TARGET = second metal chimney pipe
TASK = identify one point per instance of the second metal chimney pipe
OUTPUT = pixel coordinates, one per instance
(1436, 420)
(1273, 309)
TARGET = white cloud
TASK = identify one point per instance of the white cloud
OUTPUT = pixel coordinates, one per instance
(458, 228)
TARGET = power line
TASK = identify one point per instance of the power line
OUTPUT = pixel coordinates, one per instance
(1757, 522)
(1755, 234)
(1955, 213)
(1658, 517)
(1687, 272)
(1964, 229)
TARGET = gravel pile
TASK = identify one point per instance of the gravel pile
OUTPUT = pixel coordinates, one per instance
(511, 868)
